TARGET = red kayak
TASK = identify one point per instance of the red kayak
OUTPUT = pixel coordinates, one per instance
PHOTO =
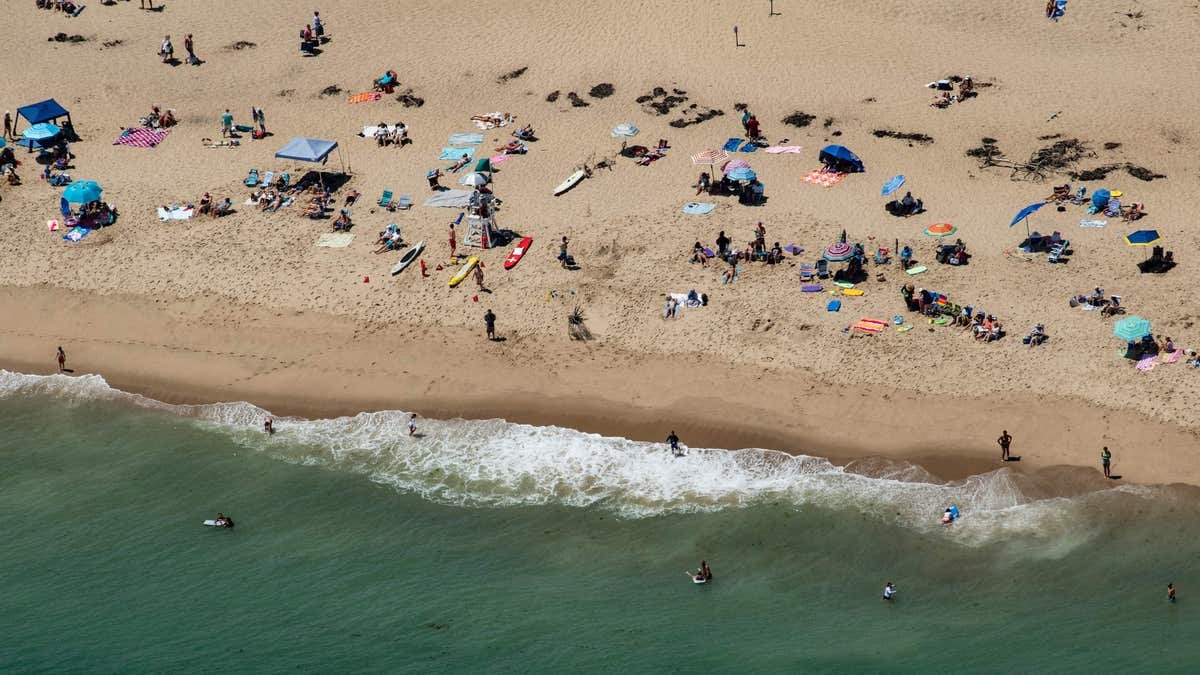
(517, 253)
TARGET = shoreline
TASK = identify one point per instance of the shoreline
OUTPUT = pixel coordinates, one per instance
(313, 365)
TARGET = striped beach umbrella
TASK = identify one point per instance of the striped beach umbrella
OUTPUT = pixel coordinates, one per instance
(839, 252)
(734, 164)
(940, 230)
(741, 173)
(710, 157)
(892, 185)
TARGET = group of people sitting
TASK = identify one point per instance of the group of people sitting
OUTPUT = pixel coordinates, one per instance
(8, 166)
(749, 192)
(215, 208)
(1149, 345)
(93, 214)
(1112, 208)
(905, 207)
(395, 135)
(514, 147)
(525, 133)
(953, 254)
(983, 327)
(270, 199)
(946, 97)
(389, 239)
(1109, 306)
(159, 119)
(58, 5)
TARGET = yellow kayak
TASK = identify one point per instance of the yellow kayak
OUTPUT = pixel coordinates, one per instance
(464, 271)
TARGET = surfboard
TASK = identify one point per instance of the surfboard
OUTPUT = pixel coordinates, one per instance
(212, 523)
(917, 270)
(517, 253)
(410, 256)
(463, 271)
(844, 284)
(852, 291)
(569, 183)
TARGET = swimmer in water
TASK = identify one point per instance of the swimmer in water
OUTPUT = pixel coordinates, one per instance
(1171, 593)
(889, 592)
(269, 426)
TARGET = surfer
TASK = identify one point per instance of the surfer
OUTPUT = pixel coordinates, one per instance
(673, 440)
(950, 515)
(889, 592)
(1171, 593)
(1005, 440)
(707, 573)
(269, 426)
(412, 424)
(223, 521)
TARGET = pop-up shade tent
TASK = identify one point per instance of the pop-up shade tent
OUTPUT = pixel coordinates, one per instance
(46, 111)
(840, 158)
(307, 149)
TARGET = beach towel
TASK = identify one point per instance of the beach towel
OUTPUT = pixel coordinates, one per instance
(833, 306)
(1093, 223)
(175, 213)
(369, 132)
(465, 138)
(1173, 356)
(698, 208)
(364, 97)
(783, 149)
(455, 154)
(750, 146)
(732, 144)
(1147, 363)
(141, 138)
(456, 199)
(869, 326)
(793, 249)
(499, 159)
(824, 177)
(77, 233)
(335, 240)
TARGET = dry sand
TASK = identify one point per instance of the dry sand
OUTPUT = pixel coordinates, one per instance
(247, 307)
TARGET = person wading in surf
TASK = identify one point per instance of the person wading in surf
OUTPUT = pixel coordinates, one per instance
(673, 440)
(1005, 440)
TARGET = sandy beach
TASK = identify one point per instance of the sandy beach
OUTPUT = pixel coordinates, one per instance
(247, 307)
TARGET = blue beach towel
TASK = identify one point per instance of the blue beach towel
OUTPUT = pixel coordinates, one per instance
(455, 154)
(469, 138)
(750, 146)
(732, 144)
(698, 209)
(833, 306)
(77, 233)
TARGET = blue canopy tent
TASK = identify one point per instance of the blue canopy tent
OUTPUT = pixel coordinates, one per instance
(314, 150)
(45, 111)
(1024, 215)
(839, 158)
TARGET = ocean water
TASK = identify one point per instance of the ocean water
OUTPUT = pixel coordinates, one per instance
(484, 546)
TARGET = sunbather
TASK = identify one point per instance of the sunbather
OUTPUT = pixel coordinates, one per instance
(205, 204)
(224, 208)
(1060, 193)
(389, 242)
(1037, 336)
(400, 133)
(343, 222)
(383, 135)
(698, 255)
(1136, 210)
(460, 163)
(525, 133)
(730, 273)
(352, 197)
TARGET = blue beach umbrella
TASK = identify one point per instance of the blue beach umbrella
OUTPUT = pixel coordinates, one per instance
(892, 185)
(1132, 328)
(40, 132)
(1143, 238)
(1100, 198)
(741, 173)
(82, 192)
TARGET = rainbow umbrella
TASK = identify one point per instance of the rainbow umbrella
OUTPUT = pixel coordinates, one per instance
(940, 230)
(839, 252)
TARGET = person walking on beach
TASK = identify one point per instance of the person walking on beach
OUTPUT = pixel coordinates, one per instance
(1106, 461)
(148, 2)
(189, 45)
(62, 360)
(489, 321)
(673, 440)
(1005, 441)
(317, 25)
(453, 243)
(479, 276)
(226, 123)
(260, 118)
(562, 253)
(412, 424)
(1171, 593)
(167, 51)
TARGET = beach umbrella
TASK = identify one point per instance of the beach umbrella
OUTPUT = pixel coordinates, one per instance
(892, 185)
(40, 132)
(1100, 199)
(710, 157)
(1131, 328)
(474, 179)
(735, 163)
(82, 192)
(940, 230)
(624, 130)
(1143, 238)
(840, 158)
(741, 173)
(1024, 215)
(839, 252)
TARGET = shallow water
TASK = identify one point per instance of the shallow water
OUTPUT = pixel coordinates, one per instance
(499, 547)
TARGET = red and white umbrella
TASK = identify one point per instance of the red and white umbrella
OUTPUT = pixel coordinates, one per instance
(710, 157)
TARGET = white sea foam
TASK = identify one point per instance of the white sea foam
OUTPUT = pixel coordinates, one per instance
(497, 463)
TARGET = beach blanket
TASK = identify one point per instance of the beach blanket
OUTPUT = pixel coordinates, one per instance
(455, 199)
(499, 159)
(824, 177)
(369, 132)
(783, 149)
(175, 213)
(869, 326)
(750, 146)
(698, 208)
(793, 249)
(77, 233)
(1173, 356)
(467, 138)
(1093, 223)
(1147, 363)
(492, 120)
(141, 138)
(335, 240)
(456, 154)
(365, 96)
(732, 144)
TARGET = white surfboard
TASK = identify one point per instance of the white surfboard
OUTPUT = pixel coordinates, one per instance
(410, 256)
(210, 523)
(569, 183)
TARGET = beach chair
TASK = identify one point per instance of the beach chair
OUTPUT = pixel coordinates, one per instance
(251, 179)
(285, 181)
(404, 202)
(267, 179)
(806, 272)
(822, 269)
(882, 257)
(1057, 251)
(386, 199)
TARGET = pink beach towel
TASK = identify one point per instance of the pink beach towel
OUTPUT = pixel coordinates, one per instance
(784, 150)
(1173, 356)
(1147, 363)
(499, 159)
(142, 138)
(823, 177)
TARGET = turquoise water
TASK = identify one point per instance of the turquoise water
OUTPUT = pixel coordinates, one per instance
(484, 546)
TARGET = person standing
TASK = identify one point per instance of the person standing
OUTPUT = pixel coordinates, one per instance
(1106, 461)
(317, 26)
(226, 123)
(269, 426)
(1005, 441)
(1171, 593)
(562, 253)
(722, 244)
(8, 125)
(489, 320)
(62, 360)
(453, 243)
(412, 424)
(189, 45)
(479, 276)
(167, 51)
(260, 118)
(673, 441)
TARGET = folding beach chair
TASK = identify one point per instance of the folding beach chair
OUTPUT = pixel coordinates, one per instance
(404, 202)
(806, 272)
(267, 179)
(386, 200)
(251, 179)
(823, 269)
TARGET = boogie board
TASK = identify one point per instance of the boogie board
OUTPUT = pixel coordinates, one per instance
(852, 291)
(916, 270)
(410, 256)
(212, 523)
(811, 288)
(844, 284)
(463, 271)
(569, 183)
(517, 253)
